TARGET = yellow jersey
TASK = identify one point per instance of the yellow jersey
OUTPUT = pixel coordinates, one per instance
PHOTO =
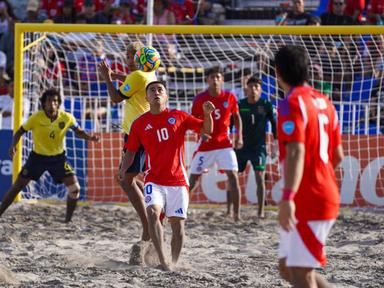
(47, 136)
(133, 90)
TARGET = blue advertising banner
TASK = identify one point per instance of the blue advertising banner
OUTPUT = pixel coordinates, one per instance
(5, 161)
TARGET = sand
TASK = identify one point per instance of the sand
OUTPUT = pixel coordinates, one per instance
(38, 250)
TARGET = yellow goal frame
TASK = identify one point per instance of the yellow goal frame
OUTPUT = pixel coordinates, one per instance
(21, 28)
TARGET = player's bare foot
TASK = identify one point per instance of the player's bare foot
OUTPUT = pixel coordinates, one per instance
(237, 218)
(166, 267)
(138, 251)
(261, 216)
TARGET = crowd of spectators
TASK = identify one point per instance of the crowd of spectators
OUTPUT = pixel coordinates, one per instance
(330, 73)
(339, 12)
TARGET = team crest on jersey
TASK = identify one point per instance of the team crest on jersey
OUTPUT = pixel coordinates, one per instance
(61, 125)
(126, 88)
(171, 120)
(147, 199)
(225, 104)
(288, 127)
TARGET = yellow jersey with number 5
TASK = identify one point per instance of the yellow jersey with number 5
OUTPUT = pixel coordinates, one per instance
(48, 136)
(133, 91)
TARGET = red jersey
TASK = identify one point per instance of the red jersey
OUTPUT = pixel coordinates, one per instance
(375, 7)
(350, 7)
(53, 8)
(307, 116)
(226, 105)
(162, 137)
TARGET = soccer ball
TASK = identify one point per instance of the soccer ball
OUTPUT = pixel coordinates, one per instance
(147, 59)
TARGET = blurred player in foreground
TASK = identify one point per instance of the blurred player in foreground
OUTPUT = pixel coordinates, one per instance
(310, 149)
(255, 113)
(132, 92)
(218, 148)
(161, 132)
(49, 126)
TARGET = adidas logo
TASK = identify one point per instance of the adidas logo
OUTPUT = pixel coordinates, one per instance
(148, 127)
(179, 211)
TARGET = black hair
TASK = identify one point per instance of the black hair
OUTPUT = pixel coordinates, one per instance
(49, 93)
(214, 70)
(254, 79)
(245, 71)
(292, 63)
(155, 82)
(313, 20)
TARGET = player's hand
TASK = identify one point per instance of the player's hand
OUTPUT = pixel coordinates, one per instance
(287, 217)
(121, 175)
(208, 107)
(205, 137)
(94, 138)
(104, 70)
(239, 143)
(12, 151)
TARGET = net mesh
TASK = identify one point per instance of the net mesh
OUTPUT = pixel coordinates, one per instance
(348, 68)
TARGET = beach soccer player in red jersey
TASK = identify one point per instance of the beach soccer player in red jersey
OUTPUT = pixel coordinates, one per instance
(161, 132)
(219, 148)
(310, 148)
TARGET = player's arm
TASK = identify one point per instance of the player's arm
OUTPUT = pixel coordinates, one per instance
(338, 156)
(118, 76)
(291, 133)
(272, 119)
(239, 130)
(197, 111)
(132, 145)
(126, 162)
(106, 73)
(338, 153)
(15, 140)
(207, 127)
(81, 133)
(293, 173)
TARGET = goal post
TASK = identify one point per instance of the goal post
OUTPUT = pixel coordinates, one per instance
(236, 48)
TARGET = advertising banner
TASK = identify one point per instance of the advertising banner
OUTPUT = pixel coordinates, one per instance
(361, 176)
(5, 161)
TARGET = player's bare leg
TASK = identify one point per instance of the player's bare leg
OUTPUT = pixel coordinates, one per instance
(156, 232)
(287, 274)
(229, 200)
(283, 270)
(234, 188)
(229, 203)
(11, 194)
(177, 242)
(136, 197)
(140, 184)
(321, 282)
(260, 181)
(73, 195)
(193, 182)
(303, 277)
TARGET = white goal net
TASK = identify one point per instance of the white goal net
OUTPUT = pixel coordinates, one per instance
(349, 68)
